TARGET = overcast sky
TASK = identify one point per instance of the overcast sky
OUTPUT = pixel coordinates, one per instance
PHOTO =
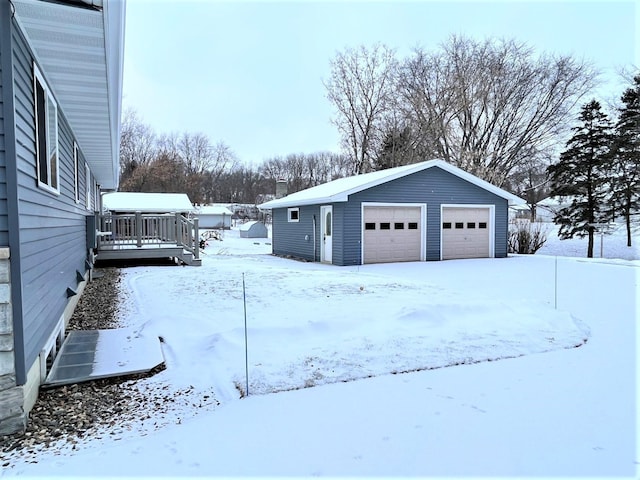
(249, 73)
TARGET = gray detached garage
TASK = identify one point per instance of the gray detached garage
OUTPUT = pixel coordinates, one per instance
(425, 211)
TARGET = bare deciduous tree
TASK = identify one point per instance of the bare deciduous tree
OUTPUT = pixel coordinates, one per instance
(491, 106)
(137, 144)
(359, 87)
(304, 170)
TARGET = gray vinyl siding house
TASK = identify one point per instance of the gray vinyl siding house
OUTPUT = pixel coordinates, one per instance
(52, 168)
(422, 212)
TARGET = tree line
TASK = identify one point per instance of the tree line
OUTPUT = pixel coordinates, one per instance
(211, 172)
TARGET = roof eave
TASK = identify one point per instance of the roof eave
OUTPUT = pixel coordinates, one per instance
(69, 64)
(287, 203)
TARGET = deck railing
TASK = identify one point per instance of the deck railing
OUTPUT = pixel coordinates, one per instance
(138, 230)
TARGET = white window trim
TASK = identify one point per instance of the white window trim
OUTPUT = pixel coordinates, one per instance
(76, 173)
(87, 183)
(290, 211)
(39, 78)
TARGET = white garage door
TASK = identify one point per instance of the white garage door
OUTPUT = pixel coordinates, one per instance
(465, 233)
(392, 234)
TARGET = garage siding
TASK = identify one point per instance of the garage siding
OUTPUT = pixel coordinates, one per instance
(432, 186)
(288, 238)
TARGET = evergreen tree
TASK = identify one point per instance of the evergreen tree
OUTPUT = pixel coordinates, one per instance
(626, 154)
(396, 149)
(582, 174)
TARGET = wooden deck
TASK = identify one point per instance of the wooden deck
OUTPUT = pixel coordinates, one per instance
(146, 236)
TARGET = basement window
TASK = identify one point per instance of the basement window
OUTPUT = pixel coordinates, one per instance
(293, 214)
(46, 123)
(370, 226)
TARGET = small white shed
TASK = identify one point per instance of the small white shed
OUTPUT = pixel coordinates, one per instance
(253, 230)
(214, 216)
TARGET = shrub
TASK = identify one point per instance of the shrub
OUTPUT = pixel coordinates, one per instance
(526, 236)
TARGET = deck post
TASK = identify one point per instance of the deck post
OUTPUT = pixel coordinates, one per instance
(189, 232)
(178, 230)
(139, 229)
(196, 230)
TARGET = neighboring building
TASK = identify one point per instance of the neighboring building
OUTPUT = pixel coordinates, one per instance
(132, 202)
(253, 230)
(214, 216)
(425, 211)
(60, 104)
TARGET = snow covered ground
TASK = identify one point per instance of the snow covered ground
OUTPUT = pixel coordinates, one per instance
(517, 398)
(613, 244)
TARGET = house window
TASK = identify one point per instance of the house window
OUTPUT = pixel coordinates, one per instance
(76, 173)
(87, 186)
(413, 225)
(398, 226)
(459, 225)
(293, 214)
(46, 120)
(370, 226)
(471, 224)
(482, 225)
(385, 226)
(446, 225)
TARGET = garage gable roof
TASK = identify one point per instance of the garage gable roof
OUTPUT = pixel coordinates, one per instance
(340, 189)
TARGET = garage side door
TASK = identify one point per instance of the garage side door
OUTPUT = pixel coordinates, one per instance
(465, 233)
(392, 234)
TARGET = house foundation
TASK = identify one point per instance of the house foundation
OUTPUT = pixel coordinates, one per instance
(13, 417)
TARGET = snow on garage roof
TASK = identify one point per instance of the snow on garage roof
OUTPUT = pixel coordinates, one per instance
(339, 190)
(147, 202)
